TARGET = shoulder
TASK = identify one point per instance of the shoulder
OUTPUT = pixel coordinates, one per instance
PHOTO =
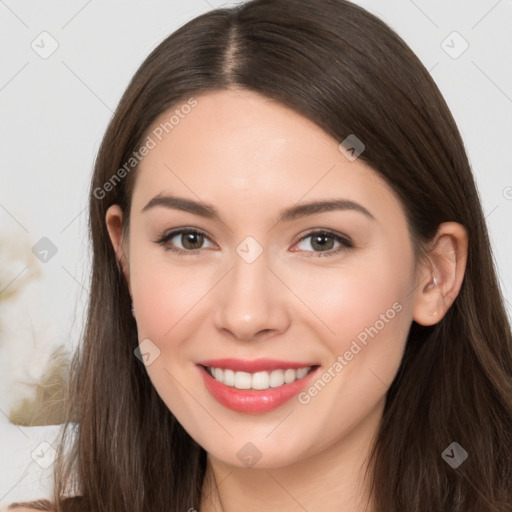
(69, 504)
(27, 509)
(31, 506)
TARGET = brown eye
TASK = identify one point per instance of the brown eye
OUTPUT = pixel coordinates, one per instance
(191, 241)
(324, 242)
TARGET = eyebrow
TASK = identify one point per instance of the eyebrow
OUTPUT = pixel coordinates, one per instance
(288, 214)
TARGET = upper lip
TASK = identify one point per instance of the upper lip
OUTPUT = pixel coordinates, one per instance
(254, 365)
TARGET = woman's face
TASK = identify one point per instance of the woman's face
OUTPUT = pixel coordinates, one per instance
(263, 289)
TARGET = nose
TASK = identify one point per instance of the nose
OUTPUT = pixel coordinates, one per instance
(252, 301)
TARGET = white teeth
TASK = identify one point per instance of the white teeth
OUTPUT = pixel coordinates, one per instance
(258, 380)
(242, 380)
(217, 373)
(228, 378)
(290, 375)
(302, 372)
(276, 378)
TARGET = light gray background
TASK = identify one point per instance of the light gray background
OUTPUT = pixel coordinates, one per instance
(55, 111)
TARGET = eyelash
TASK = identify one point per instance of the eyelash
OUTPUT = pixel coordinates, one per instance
(345, 242)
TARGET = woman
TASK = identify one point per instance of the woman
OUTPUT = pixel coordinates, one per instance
(293, 300)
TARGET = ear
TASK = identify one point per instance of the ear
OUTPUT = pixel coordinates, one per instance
(440, 274)
(114, 221)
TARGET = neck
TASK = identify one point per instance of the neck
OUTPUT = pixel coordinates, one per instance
(332, 479)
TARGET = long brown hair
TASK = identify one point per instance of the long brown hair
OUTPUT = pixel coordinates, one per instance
(347, 71)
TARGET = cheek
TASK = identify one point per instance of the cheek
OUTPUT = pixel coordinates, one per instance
(164, 291)
(366, 315)
(172, 305)
(350, 300)
(365, 308)
(166, 297)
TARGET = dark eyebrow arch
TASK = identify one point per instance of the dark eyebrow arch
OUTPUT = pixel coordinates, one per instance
(292, 213)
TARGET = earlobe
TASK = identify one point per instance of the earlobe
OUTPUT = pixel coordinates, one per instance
(114, 222)
(441, 274)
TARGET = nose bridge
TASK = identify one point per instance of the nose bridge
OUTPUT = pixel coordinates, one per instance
(251, 299)
(250, 269)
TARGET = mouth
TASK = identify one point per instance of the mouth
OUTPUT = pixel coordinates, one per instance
(269, 385)
(258, 380)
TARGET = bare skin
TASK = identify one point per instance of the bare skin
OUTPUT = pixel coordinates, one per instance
(251, 158)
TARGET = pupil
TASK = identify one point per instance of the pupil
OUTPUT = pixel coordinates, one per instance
(321, 244)
(189, 237)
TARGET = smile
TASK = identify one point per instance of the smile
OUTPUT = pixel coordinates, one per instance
(259, 380)
(255, 386)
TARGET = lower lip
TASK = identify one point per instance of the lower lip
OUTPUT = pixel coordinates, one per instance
(253, 400)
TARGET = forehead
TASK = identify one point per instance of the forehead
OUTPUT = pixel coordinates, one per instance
(241, 150)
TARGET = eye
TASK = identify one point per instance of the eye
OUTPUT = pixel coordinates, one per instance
(191, 240)
(324, 241)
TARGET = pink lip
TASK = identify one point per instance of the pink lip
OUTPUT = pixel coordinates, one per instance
(253, 400)
(253, 366)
